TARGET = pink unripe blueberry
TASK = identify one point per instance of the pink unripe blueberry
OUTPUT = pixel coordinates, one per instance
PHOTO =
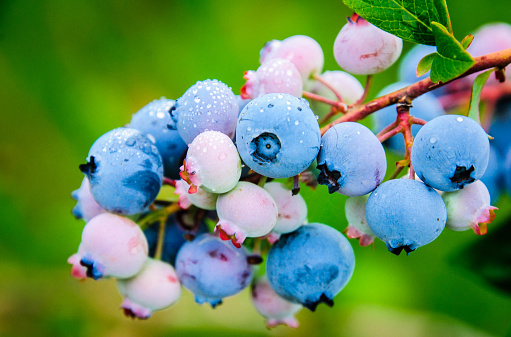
(303, 51)
(114, 246)
(274, 308)
(364, 49)
(292, 210)
(273, 76)
(200, 198)
(155, 287)
(78, 271)
(346, 85)
(86, 207)
(355, 209)
(212, 163)
(246, 211)
(469, 208)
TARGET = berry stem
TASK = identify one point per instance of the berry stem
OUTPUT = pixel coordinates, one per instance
(498, 59)
(161, 213)
(161, 238)
(329, 86)
(339, 106)
(168, 181)
(367, 87)
(262, 181)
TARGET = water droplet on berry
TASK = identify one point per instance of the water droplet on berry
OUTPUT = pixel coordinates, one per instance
(432, 140)
(459, 119)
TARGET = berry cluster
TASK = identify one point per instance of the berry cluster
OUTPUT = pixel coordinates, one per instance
(236, 163)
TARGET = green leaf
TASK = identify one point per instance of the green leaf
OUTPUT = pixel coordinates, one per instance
(467, 40)
(425, 64)
(475, 95)
(451, 59)
(409, 20)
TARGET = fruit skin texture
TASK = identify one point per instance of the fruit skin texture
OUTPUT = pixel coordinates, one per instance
(152, 120)
(352, 160)
(155, 287)
(426, 107)
(363, 49)
(274, 308)
(246, 211)
(278, 135)
(450, 151)
(405, 214)
(292, 210)
(501, 124)
(303, 51)
(113, 246)
(86, 207)
(212, 269)
(310, 265)
(206, 105)
(273, 76)
(125, 171)
(355, 209)
(469, 208)
(212, 163)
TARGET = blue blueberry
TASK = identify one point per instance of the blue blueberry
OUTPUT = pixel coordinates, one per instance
(450, 152)
(405, 214)
(180, 228)
(407, 71)
(125, 171)
(494, 175)
(501, 124)
(208, 105)
(426, 107)
(153, 119)
(212, 269)
(310, 265)
(351, 160)
(278, 135)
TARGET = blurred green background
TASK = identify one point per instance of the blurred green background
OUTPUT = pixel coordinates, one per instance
(73, 70)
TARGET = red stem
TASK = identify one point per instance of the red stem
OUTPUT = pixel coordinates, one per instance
(498, 59)
(338, 105)
(329, 86)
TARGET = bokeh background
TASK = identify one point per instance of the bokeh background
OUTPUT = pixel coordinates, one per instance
(73, 70)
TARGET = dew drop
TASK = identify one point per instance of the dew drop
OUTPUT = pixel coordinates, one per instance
(297, 122)
(432, 140)
(459, 119)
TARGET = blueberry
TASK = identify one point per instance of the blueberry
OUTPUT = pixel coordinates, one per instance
(278, 135)
(113, 246)
(352, 160)
(469, 208)
(407, 71)
(155, 287)
(205, 106)
(303, 51)
(212, 269)
(153, 119)
(450, 151)
(310, 265)
(494, 174)
(501, 124)
(405, 214)
(125, 171)
(362, 49)
(275, 75)
(86, 207)
(270, 305)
